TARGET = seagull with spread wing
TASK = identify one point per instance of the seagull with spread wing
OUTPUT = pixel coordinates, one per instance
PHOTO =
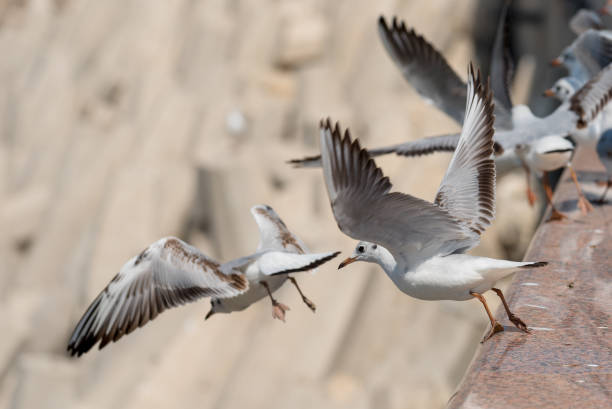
(171, 272)
(539, 144)
(421, 245)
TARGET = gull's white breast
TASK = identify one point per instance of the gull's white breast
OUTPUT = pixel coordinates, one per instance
(453, 277)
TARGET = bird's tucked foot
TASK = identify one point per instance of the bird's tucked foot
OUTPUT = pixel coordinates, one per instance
(518, 323)
(278, 310)
(584, 205)
(556, 215)
(494, 330)
(310, 304)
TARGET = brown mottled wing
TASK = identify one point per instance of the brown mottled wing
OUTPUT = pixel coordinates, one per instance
(274, 234)
(412, 229)
(590, 100)
(167, 274)
(467, 191)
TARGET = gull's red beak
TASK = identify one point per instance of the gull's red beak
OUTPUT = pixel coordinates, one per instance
(556, 62)
(549, 93)
(347, 262)
(604, 11)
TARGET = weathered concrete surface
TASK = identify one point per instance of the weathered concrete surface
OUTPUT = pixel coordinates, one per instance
(566, 362)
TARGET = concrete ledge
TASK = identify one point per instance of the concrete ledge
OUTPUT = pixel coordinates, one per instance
(566, 362)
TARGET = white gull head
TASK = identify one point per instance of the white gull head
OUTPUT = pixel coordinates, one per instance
(371, 253)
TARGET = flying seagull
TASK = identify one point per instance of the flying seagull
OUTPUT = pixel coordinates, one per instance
(419, 244)
(590, 52)
(171, 272)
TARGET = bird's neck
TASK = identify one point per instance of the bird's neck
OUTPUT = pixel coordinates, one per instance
(386, 261)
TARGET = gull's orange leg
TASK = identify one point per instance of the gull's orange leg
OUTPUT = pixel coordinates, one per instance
(278, 309)
(583, 203)
(495, 326)
(531, 197)
(554, 213)
(309, 303)
(513, 318)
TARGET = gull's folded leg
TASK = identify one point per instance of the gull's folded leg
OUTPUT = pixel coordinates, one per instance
(278, 309)
(309, 303)
(554, 213)
(495, 326)
(531, 197)
(583, 203)
(513, 318)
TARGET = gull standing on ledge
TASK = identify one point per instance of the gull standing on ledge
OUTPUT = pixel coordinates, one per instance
(170, 273)
(417, 243)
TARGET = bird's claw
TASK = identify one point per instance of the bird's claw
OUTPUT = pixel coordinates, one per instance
(278, 311)
(556, 215)
(310, 304)
(584, 205)
(519, 323)
(494, 330)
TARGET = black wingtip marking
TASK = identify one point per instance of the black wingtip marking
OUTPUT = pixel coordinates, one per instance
(310, 266)
(537, 264)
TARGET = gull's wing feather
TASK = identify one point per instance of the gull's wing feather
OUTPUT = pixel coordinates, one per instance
(412, 229)
(593, 49)
(467, 191)
(501, 60)
(281, 262)
(273, 232)
(167, 274)
(428, 71)
(590, 100)
(423, 146)
(424, 67)
(585, 19)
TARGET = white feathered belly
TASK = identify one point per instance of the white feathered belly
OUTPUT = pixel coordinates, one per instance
(255, 293)
(453, 277)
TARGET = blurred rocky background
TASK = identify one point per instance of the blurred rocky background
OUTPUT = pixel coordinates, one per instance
(125, 121)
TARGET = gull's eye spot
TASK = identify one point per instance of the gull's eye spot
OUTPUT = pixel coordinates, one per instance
(374, 246)
(360, 249)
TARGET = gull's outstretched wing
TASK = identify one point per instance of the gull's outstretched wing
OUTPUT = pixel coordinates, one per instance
(588, 54)
(273, 232)
(412, 229)
(418, 147)
(423, 146)
(501, 60)
(424, 67)
(166, 274)
(589, 100)
(281, 262)
(585, 19)
(428, 71)
(467, 191)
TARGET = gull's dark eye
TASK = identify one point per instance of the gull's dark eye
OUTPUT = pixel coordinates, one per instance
(360, 249)
(374, 246)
